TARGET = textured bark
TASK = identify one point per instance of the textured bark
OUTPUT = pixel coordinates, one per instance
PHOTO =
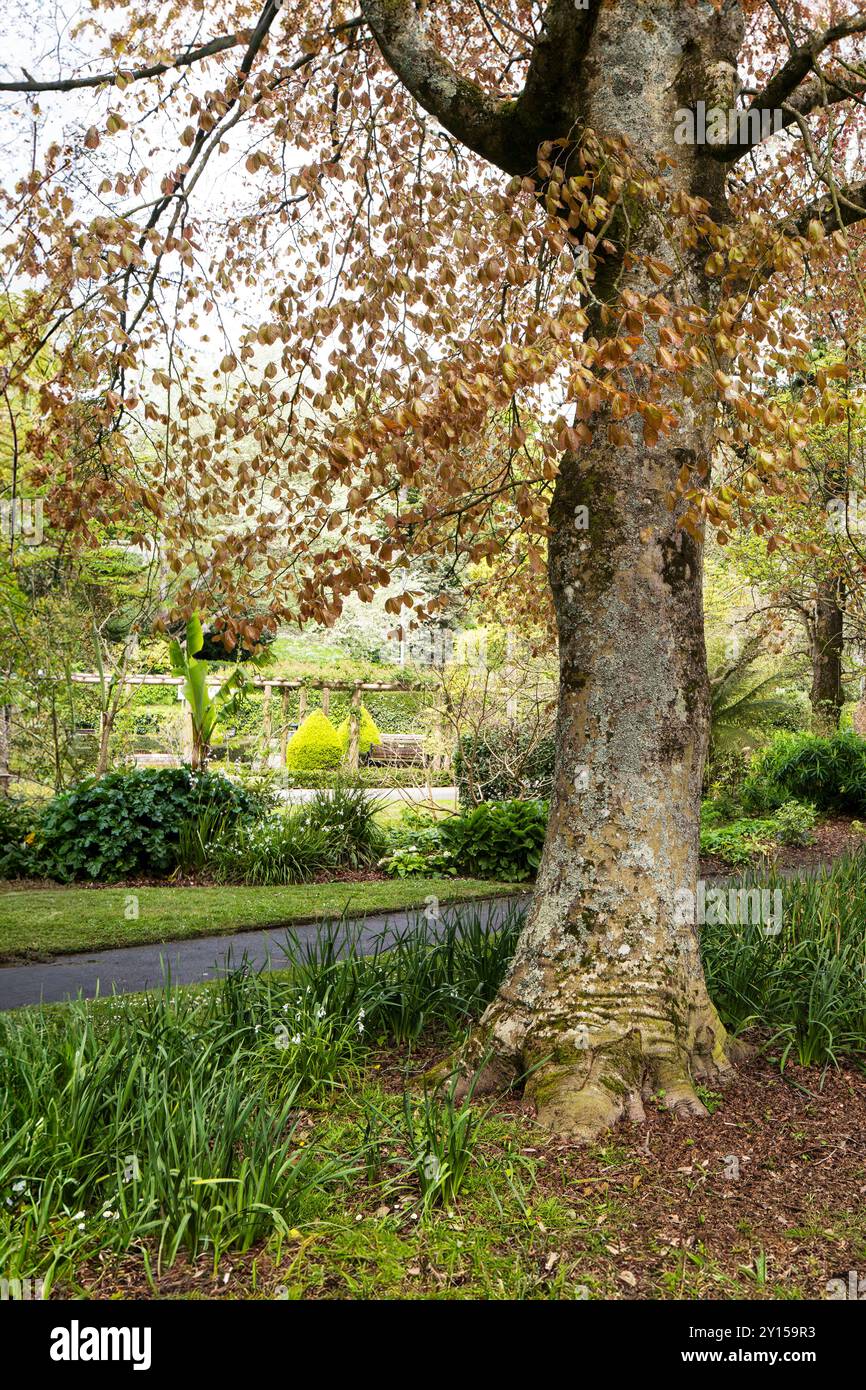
(606, 998)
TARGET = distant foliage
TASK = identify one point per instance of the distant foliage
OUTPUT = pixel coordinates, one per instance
(501, 840)
(368, 734)
(795, 822)
(17, 820)
(337, 830)
(504, 763)
(827, 772)
(282, 849)
(374, 775)
(348, 817)
(739, 839)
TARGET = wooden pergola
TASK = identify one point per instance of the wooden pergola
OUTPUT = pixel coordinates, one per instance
(285, 688)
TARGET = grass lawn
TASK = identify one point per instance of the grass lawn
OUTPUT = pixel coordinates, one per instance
(39, 922)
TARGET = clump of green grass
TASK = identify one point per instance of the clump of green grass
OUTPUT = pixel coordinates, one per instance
(805, 983)
(146, 1123)
(442, 969)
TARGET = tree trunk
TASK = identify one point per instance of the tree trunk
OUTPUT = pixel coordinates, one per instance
(106, 722)
(606, 1002)
(826, 641)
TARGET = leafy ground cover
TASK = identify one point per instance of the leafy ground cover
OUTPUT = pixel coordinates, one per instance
(655, 1213)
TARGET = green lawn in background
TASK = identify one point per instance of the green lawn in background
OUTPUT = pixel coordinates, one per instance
(39, 922)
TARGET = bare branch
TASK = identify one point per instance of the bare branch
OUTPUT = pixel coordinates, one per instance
(789, 93)
(110, 79)
(782, 86)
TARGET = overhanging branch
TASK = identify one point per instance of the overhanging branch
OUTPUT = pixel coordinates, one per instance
(110, 79)
(789, 93)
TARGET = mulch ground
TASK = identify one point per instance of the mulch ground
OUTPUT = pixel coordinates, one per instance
(766, 1198)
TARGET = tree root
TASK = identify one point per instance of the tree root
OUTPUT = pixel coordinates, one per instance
(608, 1084)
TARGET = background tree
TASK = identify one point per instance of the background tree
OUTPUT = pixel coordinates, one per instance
(453, 215)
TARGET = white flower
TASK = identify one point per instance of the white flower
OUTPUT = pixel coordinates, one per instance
(19, 1186)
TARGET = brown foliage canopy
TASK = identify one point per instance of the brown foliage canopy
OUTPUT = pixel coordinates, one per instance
(311, 288)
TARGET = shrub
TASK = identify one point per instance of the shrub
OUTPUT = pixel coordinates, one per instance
(17, 820)
(368, 734)
(130, 822)
(739, 842)
(795, 823)
(315, 746)
(347, 816)
(416, 847)
(374, 777)
(503, 763)
(282, 849)
(498, 839)
(829, 773)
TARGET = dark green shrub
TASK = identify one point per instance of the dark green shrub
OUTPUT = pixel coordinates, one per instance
(373, 777)
(501, 840)
(128, 823)
(795, 823)
(502, 764)
(829, 772)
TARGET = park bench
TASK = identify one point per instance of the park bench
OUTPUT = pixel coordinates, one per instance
(398, 750)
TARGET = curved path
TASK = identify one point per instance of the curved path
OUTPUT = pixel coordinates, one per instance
(131, 968)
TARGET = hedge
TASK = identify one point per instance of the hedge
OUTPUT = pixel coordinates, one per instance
(372, 777)
(315, 746)
(368, 734)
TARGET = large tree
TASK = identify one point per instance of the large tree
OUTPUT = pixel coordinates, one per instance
(500, 274)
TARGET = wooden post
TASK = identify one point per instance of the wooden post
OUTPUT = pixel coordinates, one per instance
(188, 735)
(326, 700)
(284, 728)
(266, 724)
(354, 728)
